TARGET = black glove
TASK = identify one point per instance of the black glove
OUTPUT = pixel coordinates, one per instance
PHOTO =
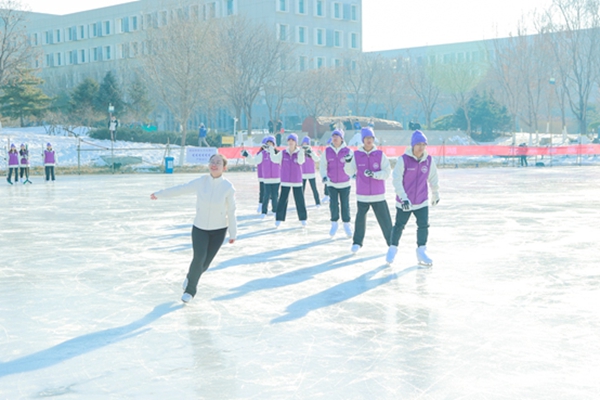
(245, 153)
(308, 152)
(369, 173)
(406, 205)
(325, 179)
(265, 146)
(348, 158)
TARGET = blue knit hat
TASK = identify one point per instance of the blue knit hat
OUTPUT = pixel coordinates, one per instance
(366, 132)
(293, 136)
(264, 140)
(418, 137)
(270, 138)
(338, 132)
(305, 140)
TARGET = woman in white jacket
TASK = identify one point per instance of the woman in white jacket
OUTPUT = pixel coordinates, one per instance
(215, 214)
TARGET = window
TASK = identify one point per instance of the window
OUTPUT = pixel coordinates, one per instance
(302, 63)
(72, 57)
(320, 8)
(58, 59)
(107, 52)
(107, 27)
(282, 5)
(210, 11)
(301, 6)
(48, 37)
(82, 56)
(337, 62)
(134, 23)
(302, 34)
(95, 54)
(49, 60)
(134, 49)
(195, 12)
(320, 37)
(337, 39)
(93, 30)
(320, 62)
(282, 32)
(354, 41)
(229, 7)
(354, 12)
(58, 36)
(81, 31)
(337, 10)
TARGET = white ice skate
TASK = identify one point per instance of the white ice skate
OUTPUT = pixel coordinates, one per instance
(334, 227)
(391, 254)
(277, 224)
(186, 298)
(348, 229)
(259, 209)
(422, 256)
(304, 223)
(355, 248)
(325, 199)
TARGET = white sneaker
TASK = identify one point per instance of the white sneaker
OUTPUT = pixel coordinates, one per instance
(348, 229)
(277, 223)
(318, 206)
(325, 199)
(333, 230)
(262, 216)
(186, 298)
(259, 209)
(304, 223)
(422, 256)
(185, 282)
(391, 254)
(355, 248)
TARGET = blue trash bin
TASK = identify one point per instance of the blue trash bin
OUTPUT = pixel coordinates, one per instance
(169, 165)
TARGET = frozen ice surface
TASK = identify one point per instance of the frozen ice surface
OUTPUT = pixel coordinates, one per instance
(91, 273)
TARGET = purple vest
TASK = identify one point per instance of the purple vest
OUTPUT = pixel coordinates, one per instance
(270, 169)
(259, 167)
(335, 165)
(415, 179)
(13, 159)
(49, 157)
(366, 186)
(309, 165)
(291, 171)
(24, 157)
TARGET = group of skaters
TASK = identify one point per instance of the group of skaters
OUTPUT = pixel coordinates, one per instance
(284, 171)
(18, 163)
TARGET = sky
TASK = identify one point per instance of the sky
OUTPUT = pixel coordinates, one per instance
(396, 24)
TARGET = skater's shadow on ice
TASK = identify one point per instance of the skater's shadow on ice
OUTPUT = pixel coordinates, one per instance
(293, 277)
(278, 254)
(259, 233)
(85, 343)
(339, 293)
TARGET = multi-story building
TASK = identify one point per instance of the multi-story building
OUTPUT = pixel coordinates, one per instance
(91, 43)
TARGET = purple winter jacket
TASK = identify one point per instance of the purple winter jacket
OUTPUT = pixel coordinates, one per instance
(259, 166)
(13, 159)
(415, 179)
(24, 157)
(291, 166)
(367, 186)
(338, 178)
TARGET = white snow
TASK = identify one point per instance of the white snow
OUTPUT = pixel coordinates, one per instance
(91, 272)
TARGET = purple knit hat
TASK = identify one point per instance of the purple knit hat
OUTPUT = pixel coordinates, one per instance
(48, 144)
(271, 139)
(338, 132)
(418, 137)
(305, 140)
(293, 136)
(366, 132)
(264, 140)
(12, 146)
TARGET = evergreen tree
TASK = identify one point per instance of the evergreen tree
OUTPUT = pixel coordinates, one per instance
(488, 117)
(23, 98)
(82, 102)
(139, 105)
(109, 93)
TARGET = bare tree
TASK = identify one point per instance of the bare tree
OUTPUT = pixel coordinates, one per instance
(420, 78)
(280, 88)
(16, 51)
(176, 67)
(245, 58)
(364, 75)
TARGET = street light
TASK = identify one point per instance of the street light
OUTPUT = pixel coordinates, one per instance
(111, 110)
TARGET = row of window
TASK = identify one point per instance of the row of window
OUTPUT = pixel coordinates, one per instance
(338, 10)
(321, 37)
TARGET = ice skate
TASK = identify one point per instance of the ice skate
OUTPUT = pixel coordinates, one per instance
(422, 256)
(334, 227)
(391, 254)
(325, 199)
(355, 248)
(259, 209)
(263, 216)
(277, 224)
(186, 298)
(348, 229)
(304, 223)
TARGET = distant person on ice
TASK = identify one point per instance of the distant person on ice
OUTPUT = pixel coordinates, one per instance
(202, 136)
(215, 214)
(372, 168)
(13, 164)
(49, 161)
(113, 124)
(308, 170)
(413, 171)
(24, 163)
(271, 173)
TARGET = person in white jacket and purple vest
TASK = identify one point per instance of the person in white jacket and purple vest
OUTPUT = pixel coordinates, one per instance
(308, 169)
(271, 174)
(13, 164)
(372, 168)
(291, 160)
(337, 181)
(414, 170)
(49, 161)
(215, 215)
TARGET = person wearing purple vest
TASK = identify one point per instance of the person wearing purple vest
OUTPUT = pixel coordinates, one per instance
(337, 181)
(414, 170)
(49, 162)
(271, 173)
(13, 163)
(24, 163)
(291, 160)
(372, 168)
(259, 172)
(308, 169)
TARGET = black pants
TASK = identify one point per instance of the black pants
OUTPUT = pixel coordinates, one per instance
(337, 198)
(313, 187)
(422, 215)
(10, 172)
(49, 172)
(261, 191)
(382, 213)
(325, 190)
(283, 202)
(523, 161)
(271, 191)
(206, 244)
(24, 171)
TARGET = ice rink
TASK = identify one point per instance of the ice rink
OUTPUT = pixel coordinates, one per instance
(91, 273)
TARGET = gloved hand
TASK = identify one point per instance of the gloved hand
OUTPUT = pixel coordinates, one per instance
(435, 199)
(308, 152)
(244, 153)
(348, 158)
(406, 205)
(325, 179)
(265, 146)
(369, 173)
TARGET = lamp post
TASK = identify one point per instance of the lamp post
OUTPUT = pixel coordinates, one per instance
(111, 110)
